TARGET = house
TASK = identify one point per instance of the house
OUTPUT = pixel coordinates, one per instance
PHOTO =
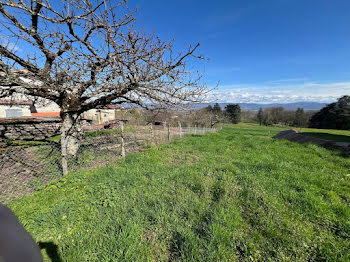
(103, 114)
(10, 108)
(19, 106)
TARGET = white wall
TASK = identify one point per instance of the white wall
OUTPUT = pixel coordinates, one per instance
(47, 106)
(95, 114)
(42, 105)
(25, 110)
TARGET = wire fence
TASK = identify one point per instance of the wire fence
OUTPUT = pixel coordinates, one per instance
(26, 166)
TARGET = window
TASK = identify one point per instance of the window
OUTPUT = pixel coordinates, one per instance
(12, 113)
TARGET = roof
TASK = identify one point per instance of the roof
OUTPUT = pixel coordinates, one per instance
(46, 114)
(15, 102)
(111, 107)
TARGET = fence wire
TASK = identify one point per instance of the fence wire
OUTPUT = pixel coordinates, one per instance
(26, 166)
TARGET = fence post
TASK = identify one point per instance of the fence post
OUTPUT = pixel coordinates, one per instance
(64, 155)
(180, 129)
(169, 131)
(152, 134)
(195, 129)
(122, 154)
(64, 165)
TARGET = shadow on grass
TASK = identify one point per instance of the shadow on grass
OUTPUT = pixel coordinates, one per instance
(331, 137)
(51, 250)
(341, 150)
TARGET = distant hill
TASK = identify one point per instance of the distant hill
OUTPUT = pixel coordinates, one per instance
(307, 106)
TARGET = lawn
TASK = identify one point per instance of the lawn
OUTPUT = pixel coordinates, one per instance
(234, 195)
(327, 131)
(328, 134)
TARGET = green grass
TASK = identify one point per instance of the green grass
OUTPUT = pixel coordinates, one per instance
(327, 131)
(108, 132)
(328, 134)
(234, 195)
(104, 132)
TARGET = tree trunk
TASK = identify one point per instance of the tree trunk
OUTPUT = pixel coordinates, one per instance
(71, 134)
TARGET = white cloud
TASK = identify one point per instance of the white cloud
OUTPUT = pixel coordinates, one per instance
(281, 93)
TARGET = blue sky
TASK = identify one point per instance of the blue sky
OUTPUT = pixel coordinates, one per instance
(261, 51)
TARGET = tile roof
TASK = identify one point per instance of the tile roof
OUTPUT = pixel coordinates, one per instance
(46, 114)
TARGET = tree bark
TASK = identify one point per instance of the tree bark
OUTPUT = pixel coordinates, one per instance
(71, 135)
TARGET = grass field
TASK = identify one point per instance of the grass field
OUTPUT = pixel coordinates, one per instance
(331, 137)
(328, 134)
(234, 195)
(327, 131)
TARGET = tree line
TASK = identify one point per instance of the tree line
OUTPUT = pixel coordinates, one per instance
(231, 113)
(332, 116)
(280, 116)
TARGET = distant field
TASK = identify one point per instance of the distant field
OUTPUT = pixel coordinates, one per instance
(234, 195)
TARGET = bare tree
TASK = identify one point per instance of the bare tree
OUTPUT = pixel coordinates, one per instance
(83, 54)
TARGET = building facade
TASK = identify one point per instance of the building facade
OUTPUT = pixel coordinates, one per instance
(14, 108)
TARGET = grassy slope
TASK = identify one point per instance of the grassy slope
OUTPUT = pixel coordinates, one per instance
(328, 134)
(327, 131)
(236, 194)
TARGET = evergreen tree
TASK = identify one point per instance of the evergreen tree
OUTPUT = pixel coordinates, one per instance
(266, 118)
(216, 109)
(209, 108)
(233, 111)
(342, 112)
(300, 119)
(333, 116)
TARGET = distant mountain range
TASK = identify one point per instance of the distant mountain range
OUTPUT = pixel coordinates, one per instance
(307, 106)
